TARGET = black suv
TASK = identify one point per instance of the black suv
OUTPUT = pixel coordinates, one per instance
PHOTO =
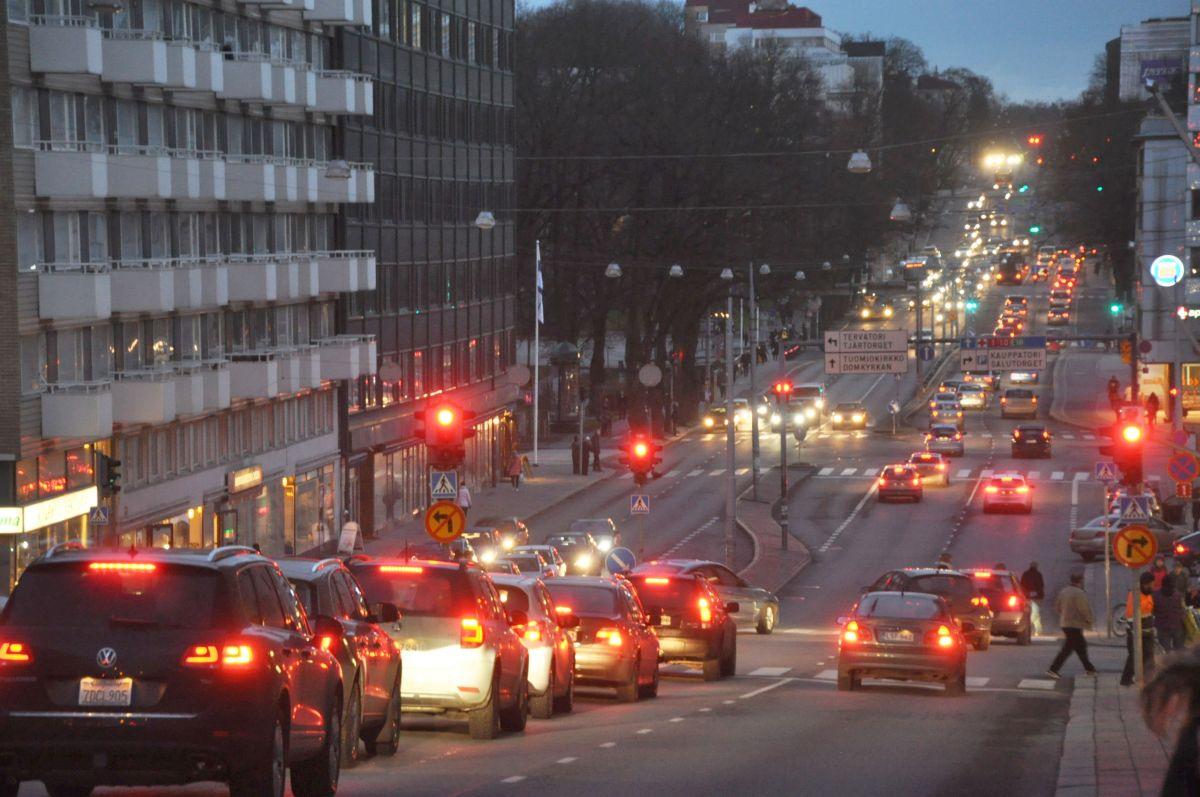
(1031, 440)
(694, 625)
(164, 667)
(967, 602)
(370, 660)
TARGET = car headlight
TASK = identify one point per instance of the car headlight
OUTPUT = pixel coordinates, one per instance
(487, 556)
(857, 417)
(604, 545)
(776, 419)
(887, 312)
(583, 561)
(837, 417)
(761, 410)
(820, 403)
(708, 421)
(508, 543)
(810, 413)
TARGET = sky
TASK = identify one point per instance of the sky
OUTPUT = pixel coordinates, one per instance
(1031, 49)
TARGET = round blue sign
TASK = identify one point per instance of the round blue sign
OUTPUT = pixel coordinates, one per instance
(620, 560)
(1167, 270)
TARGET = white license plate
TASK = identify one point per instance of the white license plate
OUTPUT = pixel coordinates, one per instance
(664, 619)
(105, 691)
(897, 636)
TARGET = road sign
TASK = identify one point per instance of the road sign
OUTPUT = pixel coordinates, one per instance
(864, 340)
(620, 560)
(1183, 467)
(1183, 489)
(445, 521)
(1167, 270)
(98, 516)
(991, 353)
(893, 406)
(1134, 546)
(876, 362)
(1004, 342)
(639, 504)
(1106, 472)
(925, 353)
(443, 485)
(1134, 508)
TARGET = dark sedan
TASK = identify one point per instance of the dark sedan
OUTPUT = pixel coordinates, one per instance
(903, 636)
(757, 607)
(1031, 440)
(970, 607)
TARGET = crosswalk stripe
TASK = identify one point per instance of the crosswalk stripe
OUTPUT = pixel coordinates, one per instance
(696, 472)
(827, 675)
(976, 681)
(770, 672)
(962, 474)
(985, 434)
(1035, 683)
(1089, 437)
(825, 471)
(742, 471)
(1057, 475)
(717, 472)
(1067, 436)
(1035, 475)
(849, 471)
(986, 473)
(1080, 476)
(672, 473)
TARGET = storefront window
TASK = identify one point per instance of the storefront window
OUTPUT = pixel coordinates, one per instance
(27, 481)
(52, 474)
(79, 468)
(316, 491)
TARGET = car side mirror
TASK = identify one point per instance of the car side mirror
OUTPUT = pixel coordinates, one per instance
(324, 625)
(568, 620)
(732, 607)
(517, 617)
(385, 613)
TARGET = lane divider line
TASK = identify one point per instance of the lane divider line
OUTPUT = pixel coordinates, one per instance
(767, 688)
(849, 519)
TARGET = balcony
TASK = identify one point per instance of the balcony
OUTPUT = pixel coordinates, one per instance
(340, 12)
(78, 409)
(296, 277)
(145, 57)
(306, 86)
(299, 369)
(210, 69)
(287, 180)
(247, 77)
(254, 375)
(138, 172)
(253, 278)
(343, 92)
(347, 356)
(189, 285)
(65, 45)
(346, 271)
(143, 286)
(216, 377)
(283, 82)
(69, 170)
(214, 283)
(74, 292)
(189, 388)
(283, 5)
(144, 396)
(339, 181)
(250, 178)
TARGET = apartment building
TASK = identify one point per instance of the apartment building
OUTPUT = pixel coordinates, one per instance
(171, 184)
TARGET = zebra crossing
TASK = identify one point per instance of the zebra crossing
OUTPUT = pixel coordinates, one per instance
(962, 473)
(973, 681)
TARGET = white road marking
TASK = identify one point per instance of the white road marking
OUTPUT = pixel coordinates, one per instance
(1057, 475)
(691, 536)
(974, 681)
(742, 471)
(1081, 475)
(962, 474)
(716, 472)
(824, 471)
(567, 760)
(767, 688)
(696, 472)
(849, 519)
(1067, 436)
(672, 473)
(705, 710)
(826, 675)
(1089, 437)
(1034, 475)
(1036, 683)
(675, 719)
(513, 779)
(849, 471)
(770, 672)
(986, 473)
(729, 702)
(985, 434)
(609, 744)
(644, 731)
(871, 389)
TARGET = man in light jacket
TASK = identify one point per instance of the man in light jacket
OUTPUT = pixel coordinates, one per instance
(1074, 617)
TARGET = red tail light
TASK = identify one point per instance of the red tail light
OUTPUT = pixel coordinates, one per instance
(471, 633)
(657, 581)
(1024, 488)
(1180, 549)
(882, 481)
(238, 655)
(853, 633)
(560, 609)
(958, 436)
(1014, 602)
(991, 488)
(944, 638)
(610, 635)
(326, 642)
(981, 600)
(916, 481)
(705, 610)
(122, 567)
(15, 653)
(400, 569)
(941, 466)
(532, 632)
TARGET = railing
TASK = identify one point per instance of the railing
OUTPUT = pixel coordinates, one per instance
(160, 373)
(137, 34)
(78, 386)
(344, 254)
(146, 264)
(72, 267)
(63, 21)
(343, 74)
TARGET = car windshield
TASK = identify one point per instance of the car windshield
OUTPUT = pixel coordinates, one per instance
(564, 540)
(849, 407)
(900, 607)
(943, 431)
(416, 590)
(78, 596)
(584, 600)
(955, 587)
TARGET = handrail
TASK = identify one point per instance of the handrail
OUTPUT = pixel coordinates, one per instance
(81, 267)
(64, 20)
(79, 386)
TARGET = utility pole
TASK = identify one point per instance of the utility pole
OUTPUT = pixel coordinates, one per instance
(753, 388)
(730, 437)
(918, 336)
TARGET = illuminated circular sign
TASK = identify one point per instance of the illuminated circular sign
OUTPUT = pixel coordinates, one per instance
(1167, 270)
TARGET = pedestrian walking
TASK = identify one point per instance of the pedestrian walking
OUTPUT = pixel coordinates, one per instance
(1152, 408)
(464, 497)
(1034, 587)
(585, 455)
(1159, 571)
(1172, 700)
(1179, 575)
(596, 450)
(575, 454)
(514, 470)
(1145, 601)
(1168, 616)
(1074, 617)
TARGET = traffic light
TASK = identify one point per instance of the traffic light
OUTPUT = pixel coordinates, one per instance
(641, 454)
(444, 431)
(782, 390)
(1034, 140)
(1115, 308)
(1128, 444)
(1099, 189)
(108, 474)
(972, 305)
(1023, 189)
(1035, 229)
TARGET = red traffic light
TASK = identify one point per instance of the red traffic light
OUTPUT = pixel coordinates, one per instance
(1034, 140)
(445, 416)
(1131, 433)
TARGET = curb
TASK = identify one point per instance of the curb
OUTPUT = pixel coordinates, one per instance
(757, 546)
(737, 521)
(1056, 411)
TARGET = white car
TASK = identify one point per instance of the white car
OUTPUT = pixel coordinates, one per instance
(1023, 377)
(973, 396)
(1008, 491)
(549, 553)
(545, 635)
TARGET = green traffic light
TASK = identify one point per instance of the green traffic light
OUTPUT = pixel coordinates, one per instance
(1114, 308)
(972, 305)
(1024, 187)
(1034, 229)
(1099, 188)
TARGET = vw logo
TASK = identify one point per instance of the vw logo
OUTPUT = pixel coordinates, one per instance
(106, 657)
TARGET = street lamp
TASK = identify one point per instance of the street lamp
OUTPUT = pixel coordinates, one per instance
(860, 163)
(727, 274)
(800, 276)
(613, 271)
(676, 271)
(900, 212)
(764, 269)
(485, 220)
(827, 266)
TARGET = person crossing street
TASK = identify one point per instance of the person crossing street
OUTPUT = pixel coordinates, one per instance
(1034, 586)
(1074, 617)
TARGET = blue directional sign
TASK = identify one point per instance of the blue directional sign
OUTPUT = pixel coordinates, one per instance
(1134, 508)
(925, 353)
(639, 504)
(443, 485)
(620, 560)
(1105, 472)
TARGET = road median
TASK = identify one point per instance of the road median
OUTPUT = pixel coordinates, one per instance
(771, 566)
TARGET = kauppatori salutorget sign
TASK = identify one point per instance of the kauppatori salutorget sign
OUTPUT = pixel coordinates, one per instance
(1026, 353)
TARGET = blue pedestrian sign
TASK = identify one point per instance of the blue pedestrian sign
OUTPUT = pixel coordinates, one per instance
(98, 516)
(925, 353)
(443, 485)
(639, 504)
(620, 560)
(1106, 472)
(1134, 508)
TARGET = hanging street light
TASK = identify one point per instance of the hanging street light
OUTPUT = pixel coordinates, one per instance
(860, 163)
(676, 271)
(613, 271)
(726, 274)
(900, 212)
(485, 220)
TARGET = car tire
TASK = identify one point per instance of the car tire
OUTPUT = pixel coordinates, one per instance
(385, 740)
(711, 669)
(766, 620)
(984, 642)
(566, 703)
(65, 790)
(1026, 636)
(515, 717)
(484, 723)
(729, 661)
(542, 706)
(957, 686)
(352, 727)
(650, 689)
(848, 681)
(265, 779)
(318, 776)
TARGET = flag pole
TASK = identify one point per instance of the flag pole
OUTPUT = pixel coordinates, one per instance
(536, 355)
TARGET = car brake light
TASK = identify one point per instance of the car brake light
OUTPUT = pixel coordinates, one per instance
(1004, 399)
(209, 655)
(1024, 488)
(1035, 399)
(1014, 602)
(855, 633)
(882, 481)
(610, 635)
(1016, 434)
(980, 600)
(400, 569)
(957, 436)
(916, 481)
(15, 653)
(941, 466)
(326, 642)
(471, 633)
(122, 567)
(237, 655)
(532, 632)
(1180, 549)
(201, 654)
(944, 637)
(562, 609)
(657, 581)
(991, 488)
(705, 610)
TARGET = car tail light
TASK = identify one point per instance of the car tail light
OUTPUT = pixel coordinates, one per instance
(941, 466)
(657, 581)
(991, 488)
(916, 481)
(1016, 434)
(957, 436)
(1180, 549)
(401, 569)
(1014, 601)
(560, 609)
(328, 643)
(1045, 435)
(612, 636)
(705, 610)
(122, 567)
(882, 481)
(237, 655)
(980, 600)
(1004, 399)
(1024, 488)
(15, 653)
(853, 633)
(532, 632)
(471, 633)
(944, 638)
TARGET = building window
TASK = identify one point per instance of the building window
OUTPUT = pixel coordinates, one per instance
(24, 111)
(702, 15)
(52, 474)
(79, 468)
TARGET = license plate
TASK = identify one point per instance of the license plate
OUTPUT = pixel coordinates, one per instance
(105, 691)
(903, 635)
(664, 620)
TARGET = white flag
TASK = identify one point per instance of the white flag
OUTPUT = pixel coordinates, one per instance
(539, 305)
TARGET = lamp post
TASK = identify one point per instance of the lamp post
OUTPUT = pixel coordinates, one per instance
(764, 269)
(730, 419)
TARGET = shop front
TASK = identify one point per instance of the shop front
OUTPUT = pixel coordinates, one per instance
(27, 532)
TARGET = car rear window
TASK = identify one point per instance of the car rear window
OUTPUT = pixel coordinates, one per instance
(954, 587)
(513, 597)
(417, 590)
(583, 600)
(1019, 393)
(75, 596)
(892, 475)
(901, 607)
(526, 564)
(666, 592)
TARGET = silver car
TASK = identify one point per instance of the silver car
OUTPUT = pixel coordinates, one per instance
(549, 553)
(973, 397)
(946, 440)
(946, 412)
(1018, 402)
(1088, 540)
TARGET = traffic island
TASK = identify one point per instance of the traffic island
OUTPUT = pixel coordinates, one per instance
(772, 566)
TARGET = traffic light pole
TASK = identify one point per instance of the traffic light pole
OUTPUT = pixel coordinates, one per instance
(753, 388)
(730, 437)
(783, 480)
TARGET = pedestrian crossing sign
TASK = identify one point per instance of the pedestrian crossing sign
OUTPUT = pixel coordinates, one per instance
(639, 504)
(1106, 471)
(443, 485)
(1134, 508)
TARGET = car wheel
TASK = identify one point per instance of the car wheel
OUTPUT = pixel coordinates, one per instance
(729, 661)
(651, 689)
(385, 740)
(957, 686)
(484, 723)
(515, 717)
(766, 620)
(1026, 636)
(542, 706)
(628, 692)
(266, 778)
(66, 790)
(352, 727)
(984, 641)
(318, 776)
(566, 703)
(711, 669)
(848, 681)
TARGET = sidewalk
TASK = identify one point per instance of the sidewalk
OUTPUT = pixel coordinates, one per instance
(772, 567)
